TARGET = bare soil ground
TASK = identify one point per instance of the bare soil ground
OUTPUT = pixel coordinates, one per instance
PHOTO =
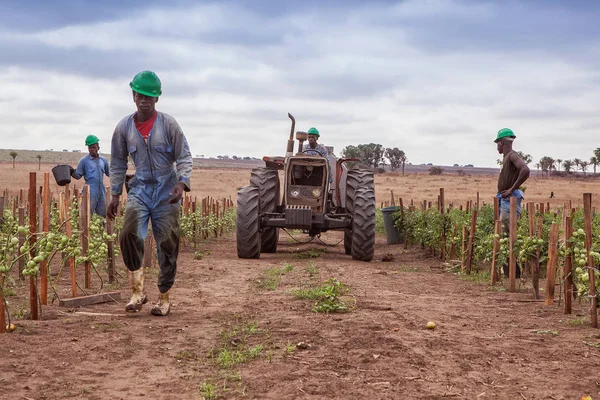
(487, 343)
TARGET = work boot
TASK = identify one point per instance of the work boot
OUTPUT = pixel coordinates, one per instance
(163, 306)
(138, 296)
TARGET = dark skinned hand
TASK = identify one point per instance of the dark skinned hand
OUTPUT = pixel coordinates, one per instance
(111, 210)
(176, 193)
(506, 193)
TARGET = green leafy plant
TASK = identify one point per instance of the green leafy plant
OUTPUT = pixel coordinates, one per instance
(330, 297)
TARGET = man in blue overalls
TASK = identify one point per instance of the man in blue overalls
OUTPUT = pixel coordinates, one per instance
(163, 168)
(93, 167)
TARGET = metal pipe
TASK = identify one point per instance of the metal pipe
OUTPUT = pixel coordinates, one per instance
(290, 144)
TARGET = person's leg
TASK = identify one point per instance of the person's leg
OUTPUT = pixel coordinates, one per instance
(133, 233)
(100, 207)
(165, 227)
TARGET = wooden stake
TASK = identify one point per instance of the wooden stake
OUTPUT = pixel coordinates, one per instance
(453, 246)
(33, 296)
(69, 230)
(84, 219)
(2, 314)
(494, 271)
(568, 265)
(512, 265)
(45, 229)
(587, 212)
(551, 267)
(496, 208)
(471, 240)
(21, 240)
(463, 249)
(443, 249)
(534, 261)
(393, 201)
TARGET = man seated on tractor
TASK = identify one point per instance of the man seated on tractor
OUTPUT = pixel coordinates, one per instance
(312, 148)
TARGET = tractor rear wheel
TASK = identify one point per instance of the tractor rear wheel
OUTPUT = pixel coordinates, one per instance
(247, 227)
(355, 179)
(267, 182)
(363, 224)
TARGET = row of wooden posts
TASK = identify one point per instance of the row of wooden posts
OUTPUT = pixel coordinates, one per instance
(38, 206)
(535, 230)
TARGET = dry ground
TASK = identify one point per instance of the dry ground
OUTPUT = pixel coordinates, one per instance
(487, 343)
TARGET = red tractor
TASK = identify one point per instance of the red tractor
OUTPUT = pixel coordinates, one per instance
(311, 202)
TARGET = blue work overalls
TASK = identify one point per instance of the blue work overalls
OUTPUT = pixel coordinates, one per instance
(160, 163)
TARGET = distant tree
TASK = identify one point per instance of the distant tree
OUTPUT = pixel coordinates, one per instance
(567, 165)
(351, 152)
(371, 154)
(583, 166)
(594, 161)
(436, 170)
(547, 164)
(14, 155)
(577, 161)
(597, 153)
(39, 157)
(558, 163)
(396, 157)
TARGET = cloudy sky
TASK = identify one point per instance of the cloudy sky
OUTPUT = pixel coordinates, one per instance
(435, 78)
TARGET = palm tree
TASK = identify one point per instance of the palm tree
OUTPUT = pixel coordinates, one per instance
(39, 157)
(558, 162)
(597, 153)
(583, 165)
(567, 165)
(14, 155)
(576, 161)
(594, 161)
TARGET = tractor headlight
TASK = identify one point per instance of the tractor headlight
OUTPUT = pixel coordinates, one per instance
(295, 192)
(316, 192)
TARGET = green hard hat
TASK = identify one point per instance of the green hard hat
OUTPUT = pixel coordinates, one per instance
(504, 133)
(313, 131)
(90, 140)
(146, 83)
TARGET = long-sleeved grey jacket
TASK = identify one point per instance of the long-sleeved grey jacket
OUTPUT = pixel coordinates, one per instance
(160, 163)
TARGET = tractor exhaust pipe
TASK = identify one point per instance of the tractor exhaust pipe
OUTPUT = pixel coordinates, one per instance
(290, 144)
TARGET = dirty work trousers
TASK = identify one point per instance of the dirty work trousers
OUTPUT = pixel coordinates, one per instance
(98, 204)
(165, 227)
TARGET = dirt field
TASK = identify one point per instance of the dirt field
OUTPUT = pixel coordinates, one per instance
(237, 331)
(487, 344)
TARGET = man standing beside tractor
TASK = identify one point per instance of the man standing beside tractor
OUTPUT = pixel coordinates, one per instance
(93, 167)
(163, 168)
(513, 174)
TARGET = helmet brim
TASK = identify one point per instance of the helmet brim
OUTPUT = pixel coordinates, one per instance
(145, 93)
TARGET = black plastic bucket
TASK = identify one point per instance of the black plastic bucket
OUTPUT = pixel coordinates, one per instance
(62, 174)
(391, 231)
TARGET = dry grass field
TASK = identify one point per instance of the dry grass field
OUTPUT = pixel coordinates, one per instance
(224, 182)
